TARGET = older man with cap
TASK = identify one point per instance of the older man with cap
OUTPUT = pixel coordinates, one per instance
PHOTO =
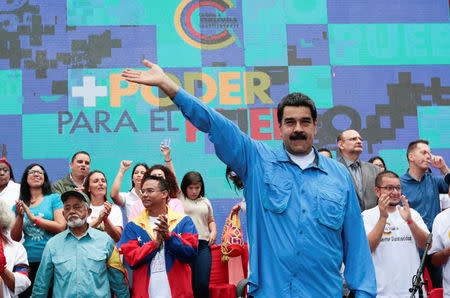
(81, 261)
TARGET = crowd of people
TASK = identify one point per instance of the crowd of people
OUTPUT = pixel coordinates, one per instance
(356, 227)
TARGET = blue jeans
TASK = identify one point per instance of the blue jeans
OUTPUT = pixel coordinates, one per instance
(201, 270)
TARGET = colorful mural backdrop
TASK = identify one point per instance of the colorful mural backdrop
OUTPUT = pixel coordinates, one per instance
(380, 67)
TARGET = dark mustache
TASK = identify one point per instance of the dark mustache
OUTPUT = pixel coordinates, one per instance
(298, 136)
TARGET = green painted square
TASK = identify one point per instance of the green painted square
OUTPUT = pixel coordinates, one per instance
(306, 12)
(314, 81)
(119, 12)
(264, 33)
(389, 44)
(173, 51)
(395, 160)
(11, 98)
(434, 125)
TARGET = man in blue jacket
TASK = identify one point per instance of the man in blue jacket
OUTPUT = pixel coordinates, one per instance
(303, 214)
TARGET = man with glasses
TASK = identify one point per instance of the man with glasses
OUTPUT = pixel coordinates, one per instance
(395, 233)
(423, 188)
(363, 173)
(158, 244)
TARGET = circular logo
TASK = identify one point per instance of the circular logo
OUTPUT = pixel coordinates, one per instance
(210, 23)
(387, 229)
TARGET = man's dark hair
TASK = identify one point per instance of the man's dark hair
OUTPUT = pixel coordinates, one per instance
(373, 158)
(296, 99)
(383, 174)
(324, 150)
(162, 183)
(413, 145)
(80, 152)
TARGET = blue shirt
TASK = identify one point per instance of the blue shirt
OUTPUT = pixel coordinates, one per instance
(79, 267)
(302, 224)
(423, 195)
(36, 237)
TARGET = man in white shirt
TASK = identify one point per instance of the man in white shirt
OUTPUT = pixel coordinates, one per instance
(440, 249)
(395, 233)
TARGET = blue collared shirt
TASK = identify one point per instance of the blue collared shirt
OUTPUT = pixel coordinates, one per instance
(302, 224)
(423, 195)
(78, 267)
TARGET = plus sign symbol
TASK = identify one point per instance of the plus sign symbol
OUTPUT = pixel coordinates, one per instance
(89, 92)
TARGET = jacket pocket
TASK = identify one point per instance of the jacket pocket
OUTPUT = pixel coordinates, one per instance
(96, 264)
(277, 189)
(63, 265)
(331, 209)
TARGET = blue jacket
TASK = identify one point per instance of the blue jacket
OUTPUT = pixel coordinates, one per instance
(302, 224)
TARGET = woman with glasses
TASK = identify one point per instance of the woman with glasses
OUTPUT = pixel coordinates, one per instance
(38, 215)
(126, 200)
(9, 189)
(104, 216)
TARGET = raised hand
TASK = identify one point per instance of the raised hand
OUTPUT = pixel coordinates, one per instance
(19, 209)
(162, 226)
(105, 211)
(165, 151)
(26, 209)
(153, 77)
(439, 163)
(125, 165)
(383, 204)
(405, 212)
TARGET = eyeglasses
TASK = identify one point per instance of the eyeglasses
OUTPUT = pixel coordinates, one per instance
(354, 139)
(391, 188)
(4, 170)
(147, 190)
(32, 172)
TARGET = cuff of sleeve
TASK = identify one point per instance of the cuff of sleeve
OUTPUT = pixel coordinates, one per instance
(168, 236)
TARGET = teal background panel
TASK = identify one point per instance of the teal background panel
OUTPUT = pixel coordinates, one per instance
(11, 98)
(264, 33)
(389, 44)
(306, 12)
(314, 81)
(119, 12)
(395, 160)
(433, 126)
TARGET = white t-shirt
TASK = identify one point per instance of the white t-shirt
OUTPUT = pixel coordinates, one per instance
(396, 258)
(445, 201)
(159, 283)
(15, 254)
(115, 217)
(10, 194)
(128, 198)
(304, 160)
(441, 240)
